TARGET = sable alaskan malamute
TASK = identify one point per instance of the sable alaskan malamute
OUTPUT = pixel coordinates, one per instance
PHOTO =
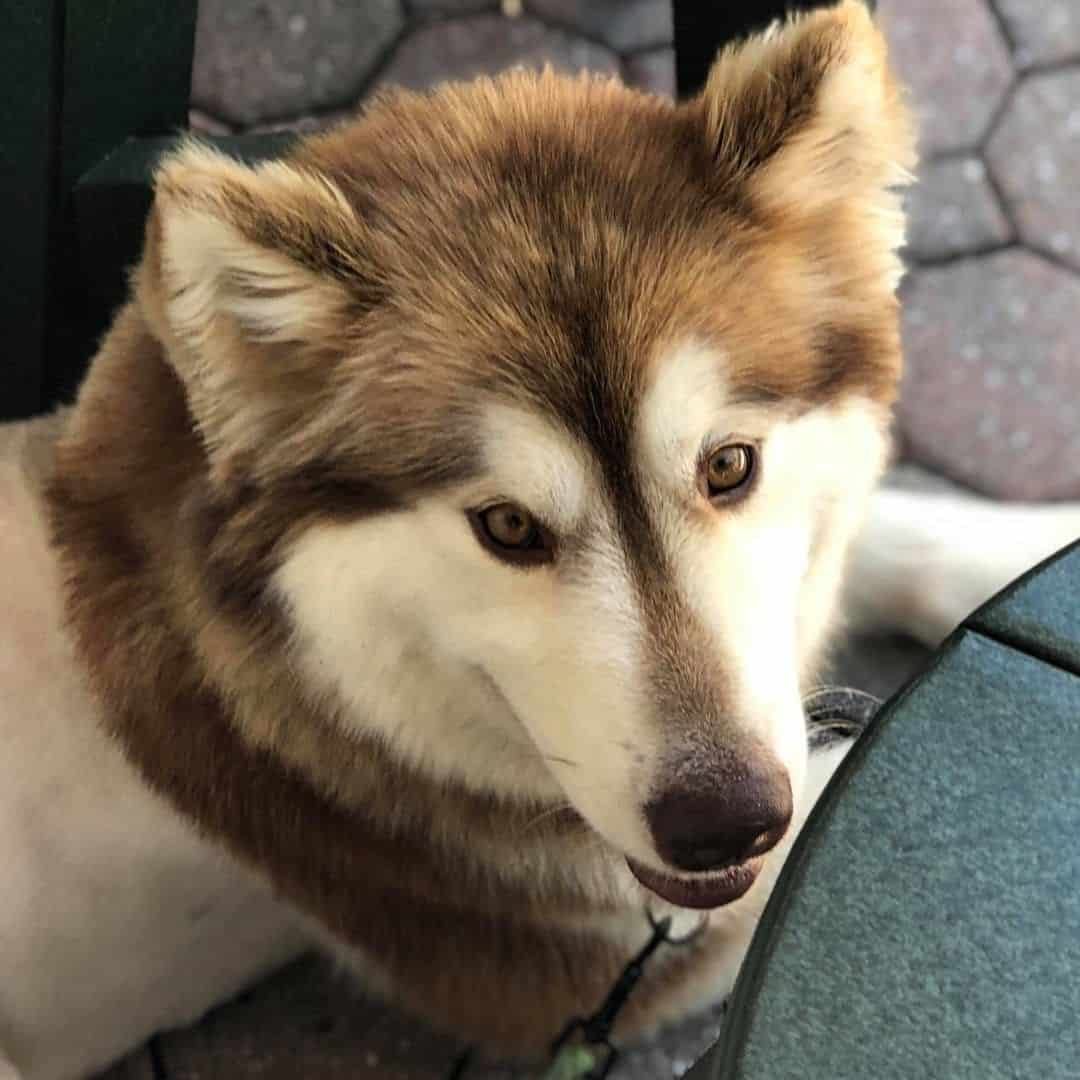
(442, 542)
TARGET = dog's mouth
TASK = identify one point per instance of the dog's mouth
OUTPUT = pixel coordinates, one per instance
(703, 891)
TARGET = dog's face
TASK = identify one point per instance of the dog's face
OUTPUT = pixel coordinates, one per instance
(563, 403)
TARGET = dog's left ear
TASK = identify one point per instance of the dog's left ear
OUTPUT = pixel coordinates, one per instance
(252, 278)
(809, 114)
(275, 251)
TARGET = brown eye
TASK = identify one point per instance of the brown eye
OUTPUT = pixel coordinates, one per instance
(727, 470)
(512, 534)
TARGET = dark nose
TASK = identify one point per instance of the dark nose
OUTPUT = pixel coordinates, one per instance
(696, 828)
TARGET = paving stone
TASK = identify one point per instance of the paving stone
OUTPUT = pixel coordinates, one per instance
(953, 210)
(625, 25)
(207, 124)
(308, 123)
(307, 1021)
(1042, 31)
(1035, 157)
(427, 8)
(463, 48)
(653, 70)
(952, 56)
(992, 391)
(262, 60)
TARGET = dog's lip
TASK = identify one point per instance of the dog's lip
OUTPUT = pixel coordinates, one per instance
(699, 892)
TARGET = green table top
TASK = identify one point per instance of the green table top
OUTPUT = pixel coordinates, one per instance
(927, 924)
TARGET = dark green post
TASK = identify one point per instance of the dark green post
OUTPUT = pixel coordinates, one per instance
(31, 80)
(127, 73)
(76, 81)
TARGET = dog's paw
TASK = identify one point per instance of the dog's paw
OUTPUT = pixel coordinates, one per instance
(7, 1069)
(835, 718)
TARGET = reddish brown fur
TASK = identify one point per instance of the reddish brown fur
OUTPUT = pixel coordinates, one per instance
(541, 238)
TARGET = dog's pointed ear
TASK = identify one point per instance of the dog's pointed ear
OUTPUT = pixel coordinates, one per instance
(808, 113)
(273, 249)
(251, 277)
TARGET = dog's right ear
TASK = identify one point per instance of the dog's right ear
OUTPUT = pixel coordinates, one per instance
(251, 278)
(808, 114)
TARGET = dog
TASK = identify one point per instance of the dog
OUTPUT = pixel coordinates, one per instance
(435, 559)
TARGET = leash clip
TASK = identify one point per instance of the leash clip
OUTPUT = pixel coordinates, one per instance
(579, 1061)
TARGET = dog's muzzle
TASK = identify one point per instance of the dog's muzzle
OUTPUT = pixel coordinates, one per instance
(721, 838)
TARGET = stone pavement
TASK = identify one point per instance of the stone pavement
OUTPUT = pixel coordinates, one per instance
(991, 326)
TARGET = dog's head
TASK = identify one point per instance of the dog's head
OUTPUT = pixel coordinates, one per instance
(557, 405)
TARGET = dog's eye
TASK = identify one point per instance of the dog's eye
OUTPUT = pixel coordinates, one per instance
(512, 534)
(727, 471)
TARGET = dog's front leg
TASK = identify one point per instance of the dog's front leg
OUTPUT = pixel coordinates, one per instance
(926, 559)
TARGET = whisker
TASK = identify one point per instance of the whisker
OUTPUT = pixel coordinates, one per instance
(561, 760)
(548, 812)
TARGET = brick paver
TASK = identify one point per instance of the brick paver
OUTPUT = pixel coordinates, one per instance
(259, 60)
(1042, 31)
(469, 46)
(653, 70)
(1035, 157)
(310, 1022)
(624, 25)
(992, 340)
(433, 8)
(990, 343)
(953, 56)
(954, 210)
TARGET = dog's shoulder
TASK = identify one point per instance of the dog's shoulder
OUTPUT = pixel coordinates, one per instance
(98, 872)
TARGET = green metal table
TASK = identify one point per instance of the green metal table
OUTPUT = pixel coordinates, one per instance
(927, 923)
